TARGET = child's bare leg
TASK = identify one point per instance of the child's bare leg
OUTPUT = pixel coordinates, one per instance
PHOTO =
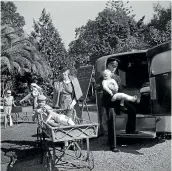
(126, 97)
(9, 114)
(62, 119)
(5, 121)
(6, 116)
(53, 123)
(11, 121)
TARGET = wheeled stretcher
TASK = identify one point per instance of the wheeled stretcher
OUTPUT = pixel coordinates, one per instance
(55, 156)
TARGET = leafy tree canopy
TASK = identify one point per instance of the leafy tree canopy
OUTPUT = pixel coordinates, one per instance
(10, 16)
(159, 28)
(49, 42)
(113, 31)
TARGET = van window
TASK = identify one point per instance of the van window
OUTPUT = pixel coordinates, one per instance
(161, 63)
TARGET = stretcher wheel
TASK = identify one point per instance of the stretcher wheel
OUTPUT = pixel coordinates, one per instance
(77, 150)
(25, 118)
(41, 143)
(49, 161)
(39, 134)
(90, 161)
(14, 117)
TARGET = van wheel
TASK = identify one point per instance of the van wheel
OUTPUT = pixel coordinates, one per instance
(158, 138)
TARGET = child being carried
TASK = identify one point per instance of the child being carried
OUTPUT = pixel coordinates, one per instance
(111, 87)
(49, 116)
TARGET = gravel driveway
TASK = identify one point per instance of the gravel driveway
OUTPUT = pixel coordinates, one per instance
(135, 155)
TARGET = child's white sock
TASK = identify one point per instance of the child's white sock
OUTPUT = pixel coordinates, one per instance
(122, 102)
(134, 98)
(11, 121)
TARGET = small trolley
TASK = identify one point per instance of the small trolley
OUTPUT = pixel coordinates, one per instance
(55, 156)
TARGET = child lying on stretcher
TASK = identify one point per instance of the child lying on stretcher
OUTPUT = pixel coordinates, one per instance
(111, 87)
(49, 116)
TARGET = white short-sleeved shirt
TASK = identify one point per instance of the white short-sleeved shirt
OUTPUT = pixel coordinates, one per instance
(8, 101)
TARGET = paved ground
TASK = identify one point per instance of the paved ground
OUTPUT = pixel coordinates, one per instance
(135, 155)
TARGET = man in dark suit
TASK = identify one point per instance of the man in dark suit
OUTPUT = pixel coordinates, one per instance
(113, 108)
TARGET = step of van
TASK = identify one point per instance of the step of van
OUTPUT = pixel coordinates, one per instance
(141, 134)
(138, 115)
(145, 125)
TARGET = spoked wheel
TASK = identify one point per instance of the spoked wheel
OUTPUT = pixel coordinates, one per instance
(25, 118)
(49, 161)
(90, 161)
(39, 134)
(41, 144)
(77, 150)
(14, 117)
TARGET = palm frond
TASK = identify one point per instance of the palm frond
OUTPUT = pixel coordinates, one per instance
(34, 69)
(24, 63)
(24, 53)
(35, 55)
(6, 29)
(5, 63)
(40, 69)
(17, 67)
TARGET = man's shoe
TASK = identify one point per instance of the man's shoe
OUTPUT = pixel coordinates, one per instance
(114, 149)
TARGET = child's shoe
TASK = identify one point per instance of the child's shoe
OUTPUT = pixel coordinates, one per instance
(136, 99)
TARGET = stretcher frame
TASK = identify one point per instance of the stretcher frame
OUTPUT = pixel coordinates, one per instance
(53, 156)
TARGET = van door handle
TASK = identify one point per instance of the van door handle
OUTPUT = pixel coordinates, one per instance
(158, 119)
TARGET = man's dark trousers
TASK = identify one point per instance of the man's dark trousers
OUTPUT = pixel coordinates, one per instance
(111, 110)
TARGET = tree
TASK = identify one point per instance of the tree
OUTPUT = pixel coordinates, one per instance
(10, 16)
(113, 31)
(49, 42)
(20, 60)
(159, 28)
(161, 17)
(20, 57)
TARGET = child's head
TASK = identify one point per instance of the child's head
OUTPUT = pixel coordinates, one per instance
(8, 92)
(41, 100)
(34, 86)
(106, 74)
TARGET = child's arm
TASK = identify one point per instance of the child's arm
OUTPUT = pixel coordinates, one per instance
(13, 102)
(105, 87)
(71, 106)
(115, 85)
(26, 98)
(50, 113)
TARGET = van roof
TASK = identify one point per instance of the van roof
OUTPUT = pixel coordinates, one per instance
(159, 49)
(104, 58)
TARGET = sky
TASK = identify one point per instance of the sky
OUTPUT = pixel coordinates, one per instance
(68, 15)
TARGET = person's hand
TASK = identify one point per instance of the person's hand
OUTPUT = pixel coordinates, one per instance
(111, 94)
(20, 101)
(96, 86)
(113, 98)
(71, 106)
